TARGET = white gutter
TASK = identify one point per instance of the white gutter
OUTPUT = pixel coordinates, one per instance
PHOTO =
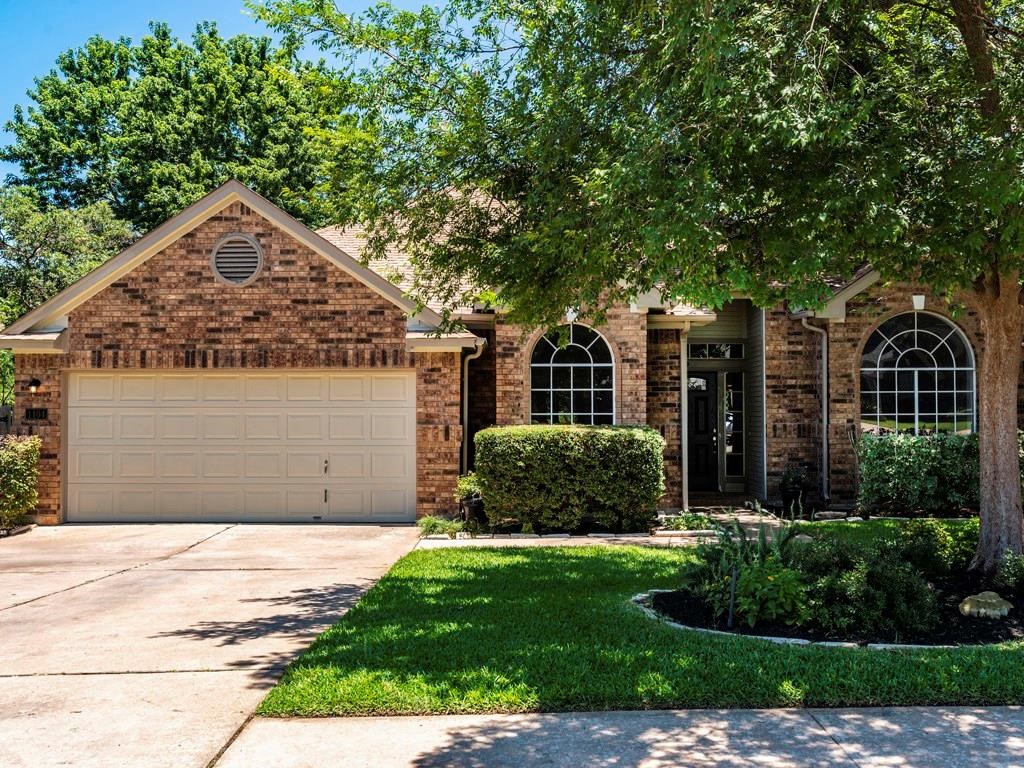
(824, 406)
(481, 345)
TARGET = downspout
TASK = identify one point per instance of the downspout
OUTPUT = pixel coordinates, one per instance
(684, 421)
(481, 344)
(825, 467)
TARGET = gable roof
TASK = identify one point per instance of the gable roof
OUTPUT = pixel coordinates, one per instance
(52, 314)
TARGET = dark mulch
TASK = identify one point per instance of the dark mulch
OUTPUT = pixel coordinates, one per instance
(687, 608)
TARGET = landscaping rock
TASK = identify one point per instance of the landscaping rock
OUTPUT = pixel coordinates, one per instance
(827, 514)
(985, 605)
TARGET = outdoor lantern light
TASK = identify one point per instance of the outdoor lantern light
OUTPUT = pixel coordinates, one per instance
(33, 386)
(918, 301)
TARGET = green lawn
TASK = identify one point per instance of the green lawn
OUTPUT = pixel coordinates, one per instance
(878, 527)
(550, 629)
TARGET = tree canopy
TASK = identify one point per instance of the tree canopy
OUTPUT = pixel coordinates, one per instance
(43, 251)
(150, 127)
(707, 148)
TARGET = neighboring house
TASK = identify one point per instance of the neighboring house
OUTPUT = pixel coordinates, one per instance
(234, 365)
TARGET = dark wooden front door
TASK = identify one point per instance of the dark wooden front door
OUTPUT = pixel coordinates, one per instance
(702, 431)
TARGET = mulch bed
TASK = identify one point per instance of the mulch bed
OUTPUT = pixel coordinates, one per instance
(685, 607)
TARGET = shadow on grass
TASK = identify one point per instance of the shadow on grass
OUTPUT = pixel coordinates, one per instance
(516, 630)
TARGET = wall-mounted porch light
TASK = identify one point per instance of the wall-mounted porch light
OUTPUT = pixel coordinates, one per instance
(33, 386)
(918, 300)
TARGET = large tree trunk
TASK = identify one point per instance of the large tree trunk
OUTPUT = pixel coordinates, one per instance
(1002, 523)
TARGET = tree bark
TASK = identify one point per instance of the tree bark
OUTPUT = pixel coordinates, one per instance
(997, 303)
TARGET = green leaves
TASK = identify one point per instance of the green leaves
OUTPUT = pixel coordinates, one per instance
(19, 474)
(42, 251)
(150, 127)
(549, 153)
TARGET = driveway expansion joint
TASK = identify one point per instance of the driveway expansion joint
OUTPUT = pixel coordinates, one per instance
(118, 572)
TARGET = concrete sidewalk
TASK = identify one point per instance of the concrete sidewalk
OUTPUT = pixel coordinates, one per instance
(946, 737)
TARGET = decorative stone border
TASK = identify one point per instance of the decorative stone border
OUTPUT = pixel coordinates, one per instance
(643, 602)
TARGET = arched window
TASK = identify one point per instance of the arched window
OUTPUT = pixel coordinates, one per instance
(574, 383)
(917, 377)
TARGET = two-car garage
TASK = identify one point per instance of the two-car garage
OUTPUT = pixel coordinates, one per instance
(241, 445)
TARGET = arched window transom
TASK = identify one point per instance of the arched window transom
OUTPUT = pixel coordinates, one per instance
(917, 377)
(572, 383)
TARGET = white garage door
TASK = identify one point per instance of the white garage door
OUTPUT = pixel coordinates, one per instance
(262, 446)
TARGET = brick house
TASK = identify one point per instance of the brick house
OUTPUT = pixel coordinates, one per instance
(235, 365)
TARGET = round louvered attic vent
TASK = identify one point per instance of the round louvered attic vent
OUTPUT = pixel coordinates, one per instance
(237, 259)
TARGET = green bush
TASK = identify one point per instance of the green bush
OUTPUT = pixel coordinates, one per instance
(866, 590)
(551, 477)
(910, 475)
(1010, 576)
(771, 592)
(432, 526)
(19, 478)
(467, 487)
(928, 546)
(688, 521)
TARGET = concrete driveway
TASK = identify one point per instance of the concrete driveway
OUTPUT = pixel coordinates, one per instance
(151, 645)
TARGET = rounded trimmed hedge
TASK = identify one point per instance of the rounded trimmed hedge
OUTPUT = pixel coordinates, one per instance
(19, 478)
(552, 477)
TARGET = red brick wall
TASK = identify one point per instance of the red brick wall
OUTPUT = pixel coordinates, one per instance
(626, 333)
(663, 408)
(47, 370)
(301, 312)
(792, 402)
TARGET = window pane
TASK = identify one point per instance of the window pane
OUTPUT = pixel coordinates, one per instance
(965, 380)
(887, 381)
(905, 403)
(600, 352)
(601, 418)
(603, 401)
(543, 351)
(585, 418)
(868, 382)
(561, 378)
(698, 351)
(945, 402)
(540, 377)
(871, 350)
(887, 402)
(540, 419)
(965, 404)
(572, 354)
(581, 378)
(563, 402)
(603, 377)
(540, 402)
(734, 465)
(926, 381)
(581, 402)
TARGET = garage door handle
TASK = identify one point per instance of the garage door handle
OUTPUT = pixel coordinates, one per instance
(326, 464)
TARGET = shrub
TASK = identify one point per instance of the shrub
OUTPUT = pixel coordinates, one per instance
(689, 521)
(551, 477)
(1010, 576)
(19, 478)
(928, 546)
(866, 590)
(770, 592)
(467, 487)
(906, 474)
(432, 526)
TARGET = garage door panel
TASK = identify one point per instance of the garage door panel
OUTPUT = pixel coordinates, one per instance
(136, 464)
(263, 426)
(241, 446)
(221, 426)
(177, 426)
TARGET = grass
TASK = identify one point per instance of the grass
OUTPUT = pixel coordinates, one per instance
(552, 629)
(881, 527)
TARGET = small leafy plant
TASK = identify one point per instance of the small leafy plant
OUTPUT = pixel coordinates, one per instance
(770, 591)
(689, 521)
(1010, 576)
(433, 526)
(467, 487)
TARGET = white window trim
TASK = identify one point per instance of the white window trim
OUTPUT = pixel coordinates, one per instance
(954, 329)
(551, 366)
